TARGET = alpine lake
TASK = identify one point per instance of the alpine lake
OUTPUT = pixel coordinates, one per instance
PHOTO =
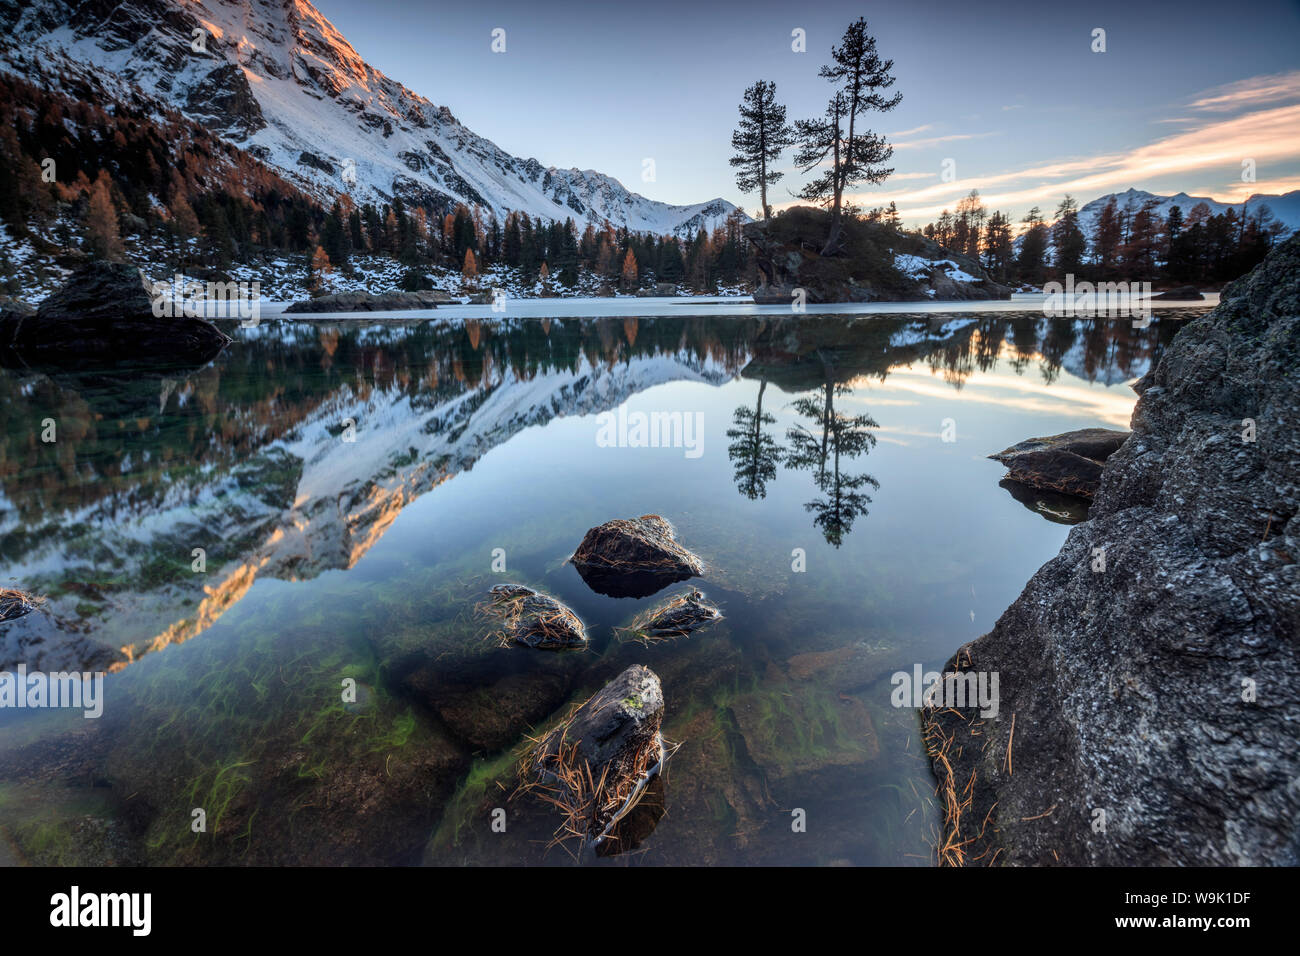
(278, 560)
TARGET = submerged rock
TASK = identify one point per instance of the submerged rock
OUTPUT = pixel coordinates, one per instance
(597, 764)
(104, 314)
(1185, 293)
(678, 616)
(371, 302)
(15, 604)
(1070, 462)
(1154, 693)
(534, 619)
(633, 557)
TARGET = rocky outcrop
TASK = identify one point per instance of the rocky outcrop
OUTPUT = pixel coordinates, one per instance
(1069, 463)
(371, 302)
(633, 557)
(1147, 707)
(535, 620)
(105, 314)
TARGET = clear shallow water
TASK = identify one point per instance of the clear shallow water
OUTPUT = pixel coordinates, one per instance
(350, 485)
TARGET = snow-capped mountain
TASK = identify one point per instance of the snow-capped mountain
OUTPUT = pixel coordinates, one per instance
(277, 79)
(1285, 208)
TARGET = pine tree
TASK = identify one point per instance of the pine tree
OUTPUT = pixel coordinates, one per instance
(759, 141)
(998, 246)
(970, 218)
(470, 268)
(102, 238)
(1033, 247)
(317, 269)
(629, 271)
(861, 77)
(1067, 237)
(1105, 240)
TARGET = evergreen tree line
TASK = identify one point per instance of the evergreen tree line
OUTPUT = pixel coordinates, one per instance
(1134, 243)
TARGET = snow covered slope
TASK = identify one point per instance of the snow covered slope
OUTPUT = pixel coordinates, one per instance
(276, 78)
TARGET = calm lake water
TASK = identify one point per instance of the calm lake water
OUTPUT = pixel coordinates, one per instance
(330, 501)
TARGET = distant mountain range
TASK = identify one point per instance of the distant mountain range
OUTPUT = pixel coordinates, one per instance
(277, 79)
(1285, 208)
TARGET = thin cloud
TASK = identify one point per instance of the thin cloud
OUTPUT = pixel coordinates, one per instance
(1266, 135)
(911, 132)
(1254, 91)
(936, 140)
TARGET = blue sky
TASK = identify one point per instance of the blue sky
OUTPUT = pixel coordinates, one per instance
(1012, 93)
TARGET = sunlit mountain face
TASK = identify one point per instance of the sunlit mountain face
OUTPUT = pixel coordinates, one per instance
(334, 500)
(277, 79)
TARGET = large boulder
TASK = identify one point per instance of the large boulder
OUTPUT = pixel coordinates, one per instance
(1069, 463)
(1147, 709)
(105, 314)
(633, 557)
(598, 762)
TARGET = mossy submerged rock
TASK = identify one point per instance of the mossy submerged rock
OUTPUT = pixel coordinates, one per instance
(534, 619)
(633, 557)
(679, 616)
(1131, 688)
(1069, 463)
(599, 761)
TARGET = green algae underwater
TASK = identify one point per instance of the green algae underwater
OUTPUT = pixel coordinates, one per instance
(277, 558)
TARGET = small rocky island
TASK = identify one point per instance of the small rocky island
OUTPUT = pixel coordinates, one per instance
(875, 263)
(1148, 671)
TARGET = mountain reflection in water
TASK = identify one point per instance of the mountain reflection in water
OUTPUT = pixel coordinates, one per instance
(295, 499)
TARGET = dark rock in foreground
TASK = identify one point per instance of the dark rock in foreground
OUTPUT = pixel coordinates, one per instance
(371, 302)
(535, 620)
(104, 314)
(1185, 293)
(1148, 704)
(676, 617)
(597, 764)
(633, 557)
(1069, 463)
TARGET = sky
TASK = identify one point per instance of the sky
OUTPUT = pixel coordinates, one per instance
(1011, 94)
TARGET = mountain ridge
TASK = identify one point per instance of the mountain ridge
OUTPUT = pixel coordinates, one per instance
(276, 78)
